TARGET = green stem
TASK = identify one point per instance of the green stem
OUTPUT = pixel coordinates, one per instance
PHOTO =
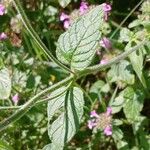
(125, 19)
(28, 105)
(115, 60)
(38, 102)
(35, 36)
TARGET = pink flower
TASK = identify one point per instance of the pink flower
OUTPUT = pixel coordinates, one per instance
(15, 99)
(83, 7)
(105, 43)
(107, 8)
(109, 111)
(108, 131)
(94, 114)
(66, 24)
(63, 16)
(65, 19)
(91, 124)
(103, 61)
(3, 36)
(2, 10)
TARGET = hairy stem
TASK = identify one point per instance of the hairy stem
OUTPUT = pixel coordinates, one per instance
(21, 111)
(35, 36)
(115, 60)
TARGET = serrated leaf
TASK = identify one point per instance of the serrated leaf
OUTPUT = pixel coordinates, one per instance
(133, 103)
(136, 59)
(5, 83)
(64, 3)
(66, 125)
(121, 72)
(78, 45)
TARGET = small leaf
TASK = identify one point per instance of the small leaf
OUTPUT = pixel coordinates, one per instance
(78, 45)
(64, 3)
(136, 59)
(125, 35)
(133, 103)
(117, 103)
(118, 138)
(5, 83)
(121, 72)
(67, 123)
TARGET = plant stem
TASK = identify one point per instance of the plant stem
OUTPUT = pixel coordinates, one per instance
(125, 19)
(38, 102)
(28, 105)
(115, 60)
(35, 36)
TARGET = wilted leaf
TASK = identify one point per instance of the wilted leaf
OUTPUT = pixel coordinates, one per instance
(77, 46)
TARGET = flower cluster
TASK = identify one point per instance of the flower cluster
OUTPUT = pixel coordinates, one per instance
(66, 18)
(102, 121)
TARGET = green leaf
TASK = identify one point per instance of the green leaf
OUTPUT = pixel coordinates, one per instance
(67, 123)
(5, 83)
(64, 3)
(136, 59)
(5, 146)
(125, 35)
(118, 138)
(121, 72)
(117, 103)
(97, 86)
(77, 46)
(133, 103)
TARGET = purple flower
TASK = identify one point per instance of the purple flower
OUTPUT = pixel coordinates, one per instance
(64, 16)
(103, 61)
(15, 99)
(94, 114)
(3, 36)
(109, 111)
(107, 8)
(108, 131)
(91, 124)
(83, 7)
(2, 10)
(65, 19)
(105, 42)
